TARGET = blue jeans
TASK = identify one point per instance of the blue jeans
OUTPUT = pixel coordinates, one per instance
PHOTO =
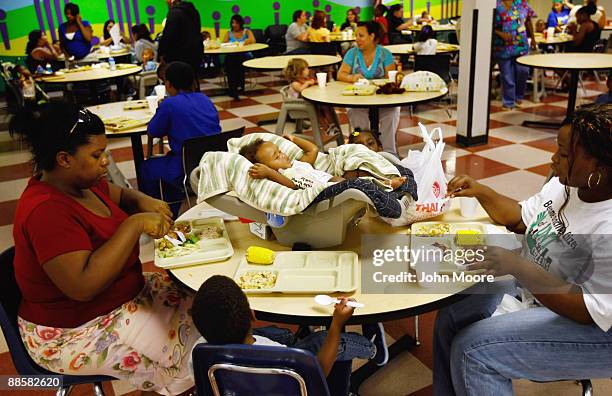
(476, 354)
(513, 79)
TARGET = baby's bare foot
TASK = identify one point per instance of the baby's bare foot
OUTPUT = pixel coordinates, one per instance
(396, 182)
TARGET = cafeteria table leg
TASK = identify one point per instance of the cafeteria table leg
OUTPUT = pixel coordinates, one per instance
(571, 103)
(360, 375)
(138, 153)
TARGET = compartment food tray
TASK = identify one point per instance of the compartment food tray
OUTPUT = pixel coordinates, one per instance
(210, 250)
(306, 272)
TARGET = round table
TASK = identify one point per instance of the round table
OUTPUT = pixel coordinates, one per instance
(123, 70)
(280, 62)
(436, 28)
(574, 63)
(408, 49)
(556, 40)
(235, 49)
(115, 109)
(338, 38)
(114, 54)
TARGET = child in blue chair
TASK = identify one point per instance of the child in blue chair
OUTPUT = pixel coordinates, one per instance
(222, 314)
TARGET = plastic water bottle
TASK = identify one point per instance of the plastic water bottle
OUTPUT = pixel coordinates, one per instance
(111, 63)
(40, 70)
(274, 220)
(48, 68)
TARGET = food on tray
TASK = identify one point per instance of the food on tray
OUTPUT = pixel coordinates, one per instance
(116, 124)
(260, 255)
(469, 237)
(431, 230)
(179, 241)
(209, 232)
(362, 90)
(135, 105)
(390, 88)
(257, 280)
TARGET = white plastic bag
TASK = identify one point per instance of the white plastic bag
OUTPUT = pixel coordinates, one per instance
(426, 165)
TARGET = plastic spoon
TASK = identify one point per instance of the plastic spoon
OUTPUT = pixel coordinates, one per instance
(323, 299)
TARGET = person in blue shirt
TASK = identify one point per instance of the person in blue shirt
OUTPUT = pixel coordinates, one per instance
(559, 15)
(185, 114)
(75, 34)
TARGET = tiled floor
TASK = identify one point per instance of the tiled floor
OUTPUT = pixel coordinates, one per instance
(514, 162)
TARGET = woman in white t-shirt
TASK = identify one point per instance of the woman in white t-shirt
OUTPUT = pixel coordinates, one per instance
(566, 262)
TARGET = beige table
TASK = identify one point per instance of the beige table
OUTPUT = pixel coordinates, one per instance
(408, 49)
(574, 63)
(556, 40)
(123, 70)
(280, 62)
(115, 109)
(338, 38)
(114, 54)
(436, 28)
(235, 49)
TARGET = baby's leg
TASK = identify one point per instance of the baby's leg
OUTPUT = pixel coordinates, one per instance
(396, 182)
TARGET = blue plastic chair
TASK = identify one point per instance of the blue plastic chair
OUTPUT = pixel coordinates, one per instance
(241, 370)
(10, 297)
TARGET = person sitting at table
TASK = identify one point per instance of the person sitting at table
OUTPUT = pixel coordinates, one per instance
(233, 62)
(426, 43)
(425, 18)
(379, 17)
(317, 32)
(540, 26)
(564, 333)
(395, 17)
(107, 39)
(599, 16)
(185, 114)
(143, 41)
(222, 314)
(588, 32)
(606, 97)
(40, 51)
(75, 34)
(559, 16)
(297, 34)
(85, 300)
(352, 18)
(370, 60)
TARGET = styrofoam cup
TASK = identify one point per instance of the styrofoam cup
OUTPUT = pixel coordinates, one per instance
(152, 102)
(469, 206)
(550, 32)
(321, 79)
(392, 75)
(160, 91)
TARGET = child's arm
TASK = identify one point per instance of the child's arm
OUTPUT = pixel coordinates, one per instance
(310, 149)
(261, 171)
(299, 87)
(329, 349)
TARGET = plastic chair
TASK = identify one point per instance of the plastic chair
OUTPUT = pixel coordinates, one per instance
(300, 110)
(241, 370)
(10, 296)
(276, 38)
(146, 79)
(194, 149)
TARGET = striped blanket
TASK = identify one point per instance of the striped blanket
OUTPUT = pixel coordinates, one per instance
(221, 172)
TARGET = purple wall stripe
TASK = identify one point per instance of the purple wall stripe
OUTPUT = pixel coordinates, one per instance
(119, 14)
(41, 24)
(49, 14)
(411, 8)
(128, 16)
(136, 13)
(109, 7)
(58, 11)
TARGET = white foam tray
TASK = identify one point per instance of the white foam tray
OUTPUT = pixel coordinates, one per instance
(308, 272)
(210, 251)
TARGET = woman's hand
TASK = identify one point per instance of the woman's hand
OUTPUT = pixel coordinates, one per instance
(463, 186)
(154, 224)
(260, 171)
(356, 77)
(506, 36)
(496, 261)
(148, 204)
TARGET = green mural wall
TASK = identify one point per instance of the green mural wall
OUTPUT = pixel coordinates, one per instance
(19, 17)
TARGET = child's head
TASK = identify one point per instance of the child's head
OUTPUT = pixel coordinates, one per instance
(424, 15)
(367, 138)
(380, 10)
(266, 153)
(540, 26)
(205, 35)
(426, 33)
(147, 55)
(296, 69)
(221, 311)
(179, 77)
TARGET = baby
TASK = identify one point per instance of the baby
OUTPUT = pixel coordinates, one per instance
(272, 164)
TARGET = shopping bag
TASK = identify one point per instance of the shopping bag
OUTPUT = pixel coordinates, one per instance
(426, 165)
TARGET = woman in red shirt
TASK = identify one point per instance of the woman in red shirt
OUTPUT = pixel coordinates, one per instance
(379, 16)
(86, 306)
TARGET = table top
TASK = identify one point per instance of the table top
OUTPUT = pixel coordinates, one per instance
(332, 95)
(280, 62)
(403, 49)
(337, 37)
(123, 69)
(236, 49)
(436, 27)
(114, 54)
(409, 299)
(115, 109)
(568, 61)
(557, 39)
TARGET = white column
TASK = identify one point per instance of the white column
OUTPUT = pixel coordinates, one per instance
(475, 66)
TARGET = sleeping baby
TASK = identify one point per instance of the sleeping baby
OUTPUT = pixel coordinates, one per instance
(272, 164)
